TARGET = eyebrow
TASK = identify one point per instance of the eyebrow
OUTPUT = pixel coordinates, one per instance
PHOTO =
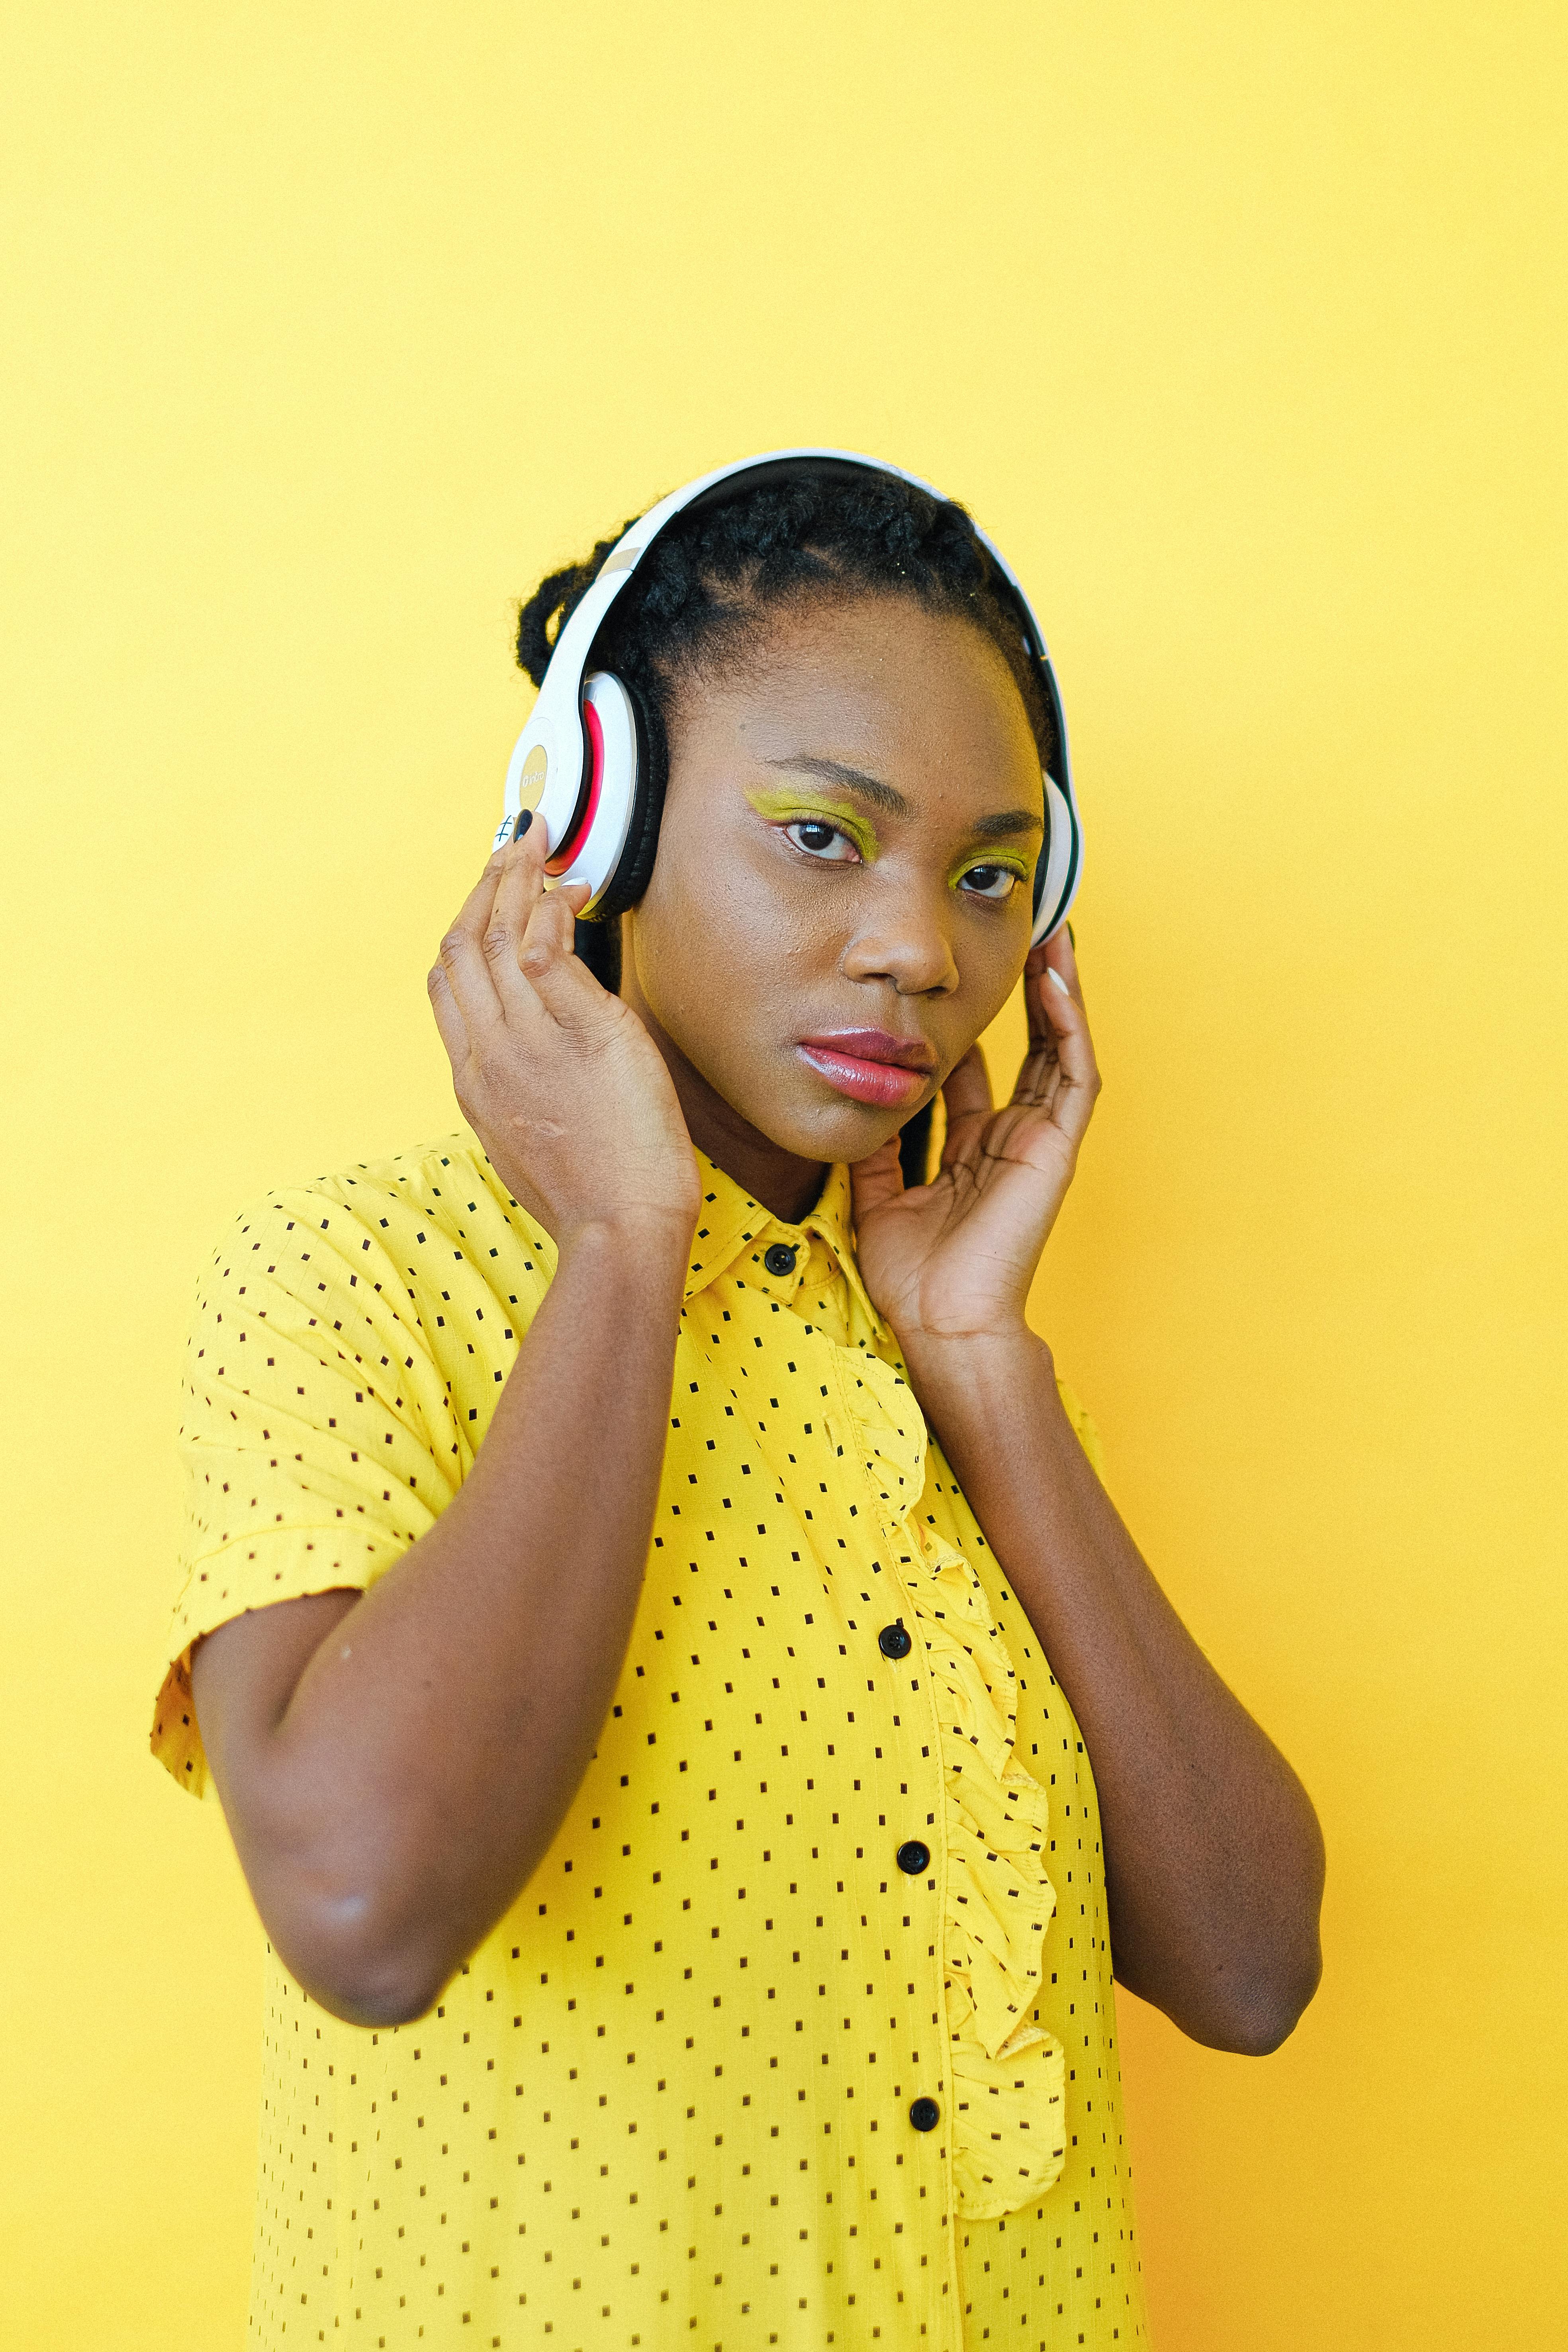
(833, 772)
(1007, 822)
(1001, 826)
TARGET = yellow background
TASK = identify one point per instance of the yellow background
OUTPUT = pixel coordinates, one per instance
(326, 331)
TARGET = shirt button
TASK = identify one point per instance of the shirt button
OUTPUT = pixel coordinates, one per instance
(894, 1642)
(912, 1857)
(924, 2114)
(779, 1259)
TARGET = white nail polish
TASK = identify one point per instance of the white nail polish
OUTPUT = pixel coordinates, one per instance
(1052, 973)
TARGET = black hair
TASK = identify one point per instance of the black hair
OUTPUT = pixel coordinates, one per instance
(793, 533)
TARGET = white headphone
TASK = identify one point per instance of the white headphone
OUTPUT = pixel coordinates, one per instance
(581, 762)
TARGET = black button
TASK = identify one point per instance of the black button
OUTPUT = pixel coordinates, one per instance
(894, 1642)
(914, 1858)
(779, 1259)
(924, 2114)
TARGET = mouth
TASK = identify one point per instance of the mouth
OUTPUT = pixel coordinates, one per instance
(869, 1065)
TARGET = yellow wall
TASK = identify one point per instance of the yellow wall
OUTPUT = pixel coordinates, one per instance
(326, 329)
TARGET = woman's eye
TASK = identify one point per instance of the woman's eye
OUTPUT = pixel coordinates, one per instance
(820, 839)
(990, 882)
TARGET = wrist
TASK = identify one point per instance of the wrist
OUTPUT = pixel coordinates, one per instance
(978, 1391)
(976, 1361)
(1006, 1340)
(642, 1250)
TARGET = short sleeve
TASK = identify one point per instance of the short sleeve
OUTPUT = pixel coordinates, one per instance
(324, 1424)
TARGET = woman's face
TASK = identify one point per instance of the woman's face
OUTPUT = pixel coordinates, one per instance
(841, 900)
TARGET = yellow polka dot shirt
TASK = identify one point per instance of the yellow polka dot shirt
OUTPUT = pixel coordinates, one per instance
(802, 2031)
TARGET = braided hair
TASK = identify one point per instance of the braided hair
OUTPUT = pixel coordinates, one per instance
(702, 596)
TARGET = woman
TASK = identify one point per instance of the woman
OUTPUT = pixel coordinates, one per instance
(625, 1553)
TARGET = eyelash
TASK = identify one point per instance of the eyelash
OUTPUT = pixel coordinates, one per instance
(799, 824)
(992, 898)
(820, 825)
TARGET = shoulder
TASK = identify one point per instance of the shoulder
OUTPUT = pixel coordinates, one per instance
(419, 1265)
(432, 1222)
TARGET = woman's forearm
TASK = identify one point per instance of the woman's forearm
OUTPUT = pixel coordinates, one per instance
(1213, 1856)
(393, 1765)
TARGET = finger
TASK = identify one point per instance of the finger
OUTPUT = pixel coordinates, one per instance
(517, 897)
(475, 911)
(966, 1097)
(1055, 954)
(449, 1021)
(1061, 954)
(548, 958)
(1063, 1077)
(462, 955)
(876, 1179)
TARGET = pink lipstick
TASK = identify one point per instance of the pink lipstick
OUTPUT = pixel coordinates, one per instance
(869, 1065)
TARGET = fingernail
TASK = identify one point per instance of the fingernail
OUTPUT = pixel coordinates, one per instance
(520, 827)
(1052, 973)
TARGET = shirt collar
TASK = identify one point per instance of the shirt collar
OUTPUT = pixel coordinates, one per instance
(731, 1226)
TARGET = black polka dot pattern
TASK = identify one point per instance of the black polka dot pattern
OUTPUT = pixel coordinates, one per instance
(731, 2072)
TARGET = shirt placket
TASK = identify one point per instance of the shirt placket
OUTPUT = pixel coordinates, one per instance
(813, 1261)
(901, 1567)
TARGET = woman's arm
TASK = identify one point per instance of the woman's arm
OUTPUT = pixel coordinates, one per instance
(1214, 1860)
(392, 1766)
(1212, 1857)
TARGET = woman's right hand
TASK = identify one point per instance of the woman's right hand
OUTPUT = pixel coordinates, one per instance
(559, 1080)
(393, 1765)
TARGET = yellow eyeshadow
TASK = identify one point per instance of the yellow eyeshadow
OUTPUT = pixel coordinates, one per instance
(780, 805)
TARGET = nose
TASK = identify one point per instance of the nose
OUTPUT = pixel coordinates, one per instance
(905, 939)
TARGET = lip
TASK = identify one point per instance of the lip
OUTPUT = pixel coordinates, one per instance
(875, 1046)
(871, 1066)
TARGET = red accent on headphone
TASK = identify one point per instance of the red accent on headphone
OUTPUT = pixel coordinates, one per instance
(590, 804)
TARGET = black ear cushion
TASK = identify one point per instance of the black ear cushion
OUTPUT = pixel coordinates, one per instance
(632, 872)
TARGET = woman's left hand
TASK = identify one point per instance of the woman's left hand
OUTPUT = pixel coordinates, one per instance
(954, 1259)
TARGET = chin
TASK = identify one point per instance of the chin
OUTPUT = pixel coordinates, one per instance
(836, 1129)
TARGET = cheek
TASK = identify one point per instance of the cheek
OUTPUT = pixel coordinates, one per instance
(993, 970)
(716, 947)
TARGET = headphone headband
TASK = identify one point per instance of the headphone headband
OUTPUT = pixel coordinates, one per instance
(560, 766)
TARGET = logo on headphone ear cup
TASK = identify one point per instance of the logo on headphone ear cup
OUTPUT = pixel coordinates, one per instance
(531, 782)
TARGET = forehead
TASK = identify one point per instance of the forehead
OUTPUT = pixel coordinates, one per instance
(922, 699)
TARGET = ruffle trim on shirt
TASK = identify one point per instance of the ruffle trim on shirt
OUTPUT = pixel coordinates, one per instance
(1009, 2132)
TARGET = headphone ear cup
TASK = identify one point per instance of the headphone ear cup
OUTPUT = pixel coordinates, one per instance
(1057, 873)
(634, 868)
